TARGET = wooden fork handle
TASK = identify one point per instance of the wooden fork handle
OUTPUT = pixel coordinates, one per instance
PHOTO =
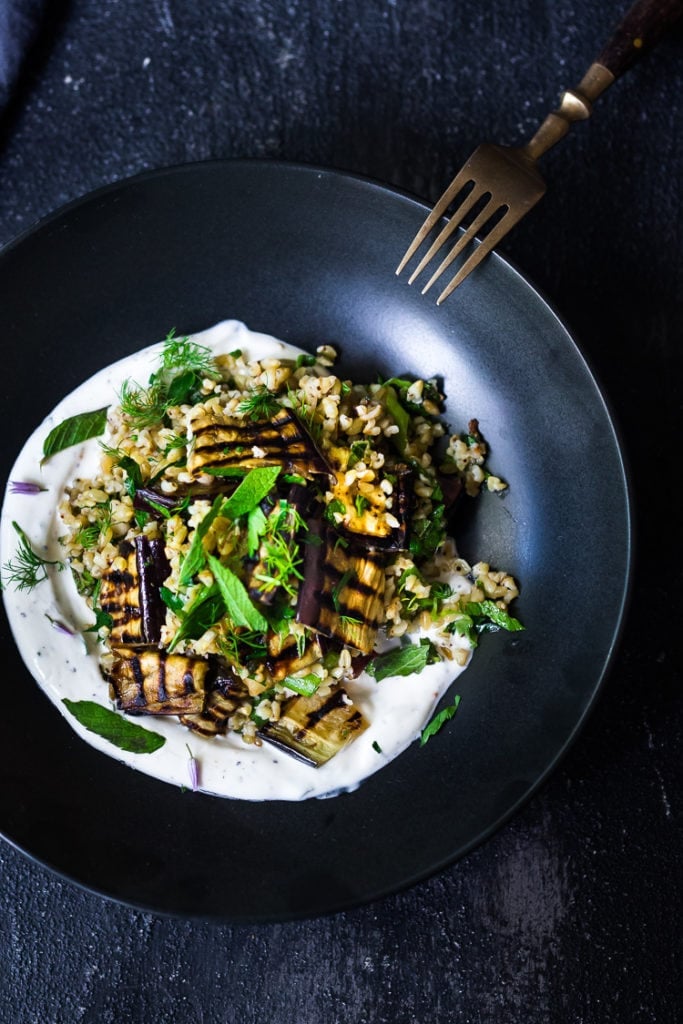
(638, 32)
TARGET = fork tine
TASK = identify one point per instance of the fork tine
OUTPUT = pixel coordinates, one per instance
(494, 236)
(446, 232)
(482, 217)
(459, 181)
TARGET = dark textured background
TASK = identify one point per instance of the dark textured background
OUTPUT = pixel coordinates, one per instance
(572, 911)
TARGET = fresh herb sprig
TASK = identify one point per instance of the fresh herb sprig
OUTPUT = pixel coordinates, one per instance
(184, 365)
(261, 404)
(402, 661)
(74, 430)
(255, 486)
(120, 731)
(28, 568)
(438, 721)
(482, 617)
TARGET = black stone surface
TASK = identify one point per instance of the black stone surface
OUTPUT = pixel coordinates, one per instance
(571, 912)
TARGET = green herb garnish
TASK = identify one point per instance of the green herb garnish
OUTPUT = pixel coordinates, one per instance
(143, 406)
(260, 405)
(181, 355)
(428, 534)
(400, 661)
(333, 508)
(252, 490)
(205, 611)
(111, 726)
(282, 560)
(345, 578)
(171, 600)
(304, 685)
(74, 430)
(184, 365)
(238, 604)
(361, 503)
(438, 721)
(357, 453)
(482, 617)
(103, 620)
(28, 569)
(195, 559)
(257, 523)
(225, 471)
(490, 611)
(240, 645)
(400, 417)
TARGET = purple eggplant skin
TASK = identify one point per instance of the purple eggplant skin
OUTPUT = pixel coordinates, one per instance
(308, 599)
(145, 499)
(153, 568)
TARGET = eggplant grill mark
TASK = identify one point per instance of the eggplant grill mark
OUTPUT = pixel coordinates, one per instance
(138, 675)
(120, 613)
(226, 445)
(334, 701)
(162, 694)
(188, 683)
(121, 579)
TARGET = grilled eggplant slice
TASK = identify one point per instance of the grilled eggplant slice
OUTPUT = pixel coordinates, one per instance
(284, 658)
(226, 692)
(314, 729)
(370, 528)
(342, 590)
(119, 597)
(152, 682)
(222, 444)
(131, 595)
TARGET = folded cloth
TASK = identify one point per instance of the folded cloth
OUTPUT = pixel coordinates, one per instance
(20, 22)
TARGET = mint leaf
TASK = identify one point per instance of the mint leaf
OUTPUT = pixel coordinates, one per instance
(74, 430)
(256, 527)
(438, 721)
(195, 558)
(253, 489)
(305, 685)
(489, 610)
(225, 470)
(238, 604)
(171, 600)
(206, 609)
(114, 727)
(401, 661)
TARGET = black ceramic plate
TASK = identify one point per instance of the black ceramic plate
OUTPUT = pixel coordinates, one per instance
(309, 255)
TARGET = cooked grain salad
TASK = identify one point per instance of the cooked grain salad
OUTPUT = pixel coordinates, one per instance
(260, 532)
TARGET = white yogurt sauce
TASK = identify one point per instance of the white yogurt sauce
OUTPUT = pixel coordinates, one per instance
(67, 666)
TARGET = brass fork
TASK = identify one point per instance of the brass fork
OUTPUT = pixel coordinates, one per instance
(503, 181)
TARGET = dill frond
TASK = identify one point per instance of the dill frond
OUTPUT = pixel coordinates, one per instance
(260, 405)
(28, 569)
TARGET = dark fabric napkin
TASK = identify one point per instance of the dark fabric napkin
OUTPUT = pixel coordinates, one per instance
(20, 22)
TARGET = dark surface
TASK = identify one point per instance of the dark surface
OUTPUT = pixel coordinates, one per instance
(572, 911)
(524, 697)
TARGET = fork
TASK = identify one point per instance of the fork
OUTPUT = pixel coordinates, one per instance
(499, 184)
